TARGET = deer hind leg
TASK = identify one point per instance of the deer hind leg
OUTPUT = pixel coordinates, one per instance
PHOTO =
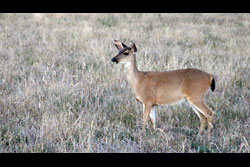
(205, 111)
(146, 112)
(203, 120)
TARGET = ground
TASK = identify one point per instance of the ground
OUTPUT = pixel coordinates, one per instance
(60, 92)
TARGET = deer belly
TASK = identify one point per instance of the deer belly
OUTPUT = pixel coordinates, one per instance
(168, 98)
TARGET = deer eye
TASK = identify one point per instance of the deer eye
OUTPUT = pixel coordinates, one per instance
(125, 53)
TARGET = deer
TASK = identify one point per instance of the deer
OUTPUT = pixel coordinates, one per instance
(153, 88)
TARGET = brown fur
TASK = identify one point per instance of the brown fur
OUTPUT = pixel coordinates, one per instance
(170, 86)
(156, 88)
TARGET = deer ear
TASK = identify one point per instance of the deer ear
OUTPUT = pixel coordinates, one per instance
(133, 47)
(119, 45)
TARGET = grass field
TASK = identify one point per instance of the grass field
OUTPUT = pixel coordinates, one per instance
(60, 92)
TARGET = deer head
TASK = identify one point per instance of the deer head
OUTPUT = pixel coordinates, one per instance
(125, 53)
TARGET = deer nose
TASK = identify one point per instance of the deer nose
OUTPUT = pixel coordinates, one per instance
(114, 60)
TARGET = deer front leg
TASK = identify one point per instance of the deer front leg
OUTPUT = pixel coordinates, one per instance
(153, 118)
(146, 111)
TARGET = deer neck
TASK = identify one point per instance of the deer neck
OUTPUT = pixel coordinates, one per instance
(132, 71)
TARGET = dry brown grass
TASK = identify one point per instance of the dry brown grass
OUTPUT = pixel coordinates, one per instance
(61, 93)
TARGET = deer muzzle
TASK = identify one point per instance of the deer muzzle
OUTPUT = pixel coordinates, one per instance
(114, 60)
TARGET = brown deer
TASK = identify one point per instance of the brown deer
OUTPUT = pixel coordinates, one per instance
(156, 88)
